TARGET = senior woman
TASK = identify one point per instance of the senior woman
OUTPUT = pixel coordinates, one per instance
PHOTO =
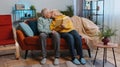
(44, 30)
(64, 26)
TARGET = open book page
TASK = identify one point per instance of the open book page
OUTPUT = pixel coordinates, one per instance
(62, 22)
(59, 22)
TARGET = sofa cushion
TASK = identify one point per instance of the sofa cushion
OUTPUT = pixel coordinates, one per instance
(26, 29)
(7, 42)
(32, 41)
(33, 26)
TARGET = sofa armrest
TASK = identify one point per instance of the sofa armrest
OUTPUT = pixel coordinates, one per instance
(20, 35)
(20, 38)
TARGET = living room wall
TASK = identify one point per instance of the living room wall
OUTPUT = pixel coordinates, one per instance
(6, 6)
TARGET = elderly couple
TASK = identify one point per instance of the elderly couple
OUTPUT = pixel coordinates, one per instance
(52, 28)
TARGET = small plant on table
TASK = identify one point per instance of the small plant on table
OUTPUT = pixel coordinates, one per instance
(105, 34)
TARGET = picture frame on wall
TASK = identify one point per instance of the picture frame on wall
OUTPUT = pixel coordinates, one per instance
(19, 6)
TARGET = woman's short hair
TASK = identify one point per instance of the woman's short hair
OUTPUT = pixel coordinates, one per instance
(56, 12)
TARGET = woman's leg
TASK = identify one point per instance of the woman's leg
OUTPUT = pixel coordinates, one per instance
(78, 42)
(70, 41)
(43, 38)
(78, 45)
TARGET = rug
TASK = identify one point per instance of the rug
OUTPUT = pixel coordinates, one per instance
(98, 63)
(33, 61)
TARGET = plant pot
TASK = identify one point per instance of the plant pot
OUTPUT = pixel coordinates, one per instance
(105, 40)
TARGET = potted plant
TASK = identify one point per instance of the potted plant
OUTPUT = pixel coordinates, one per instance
(69, 11)
(105, 34)
(32, 7)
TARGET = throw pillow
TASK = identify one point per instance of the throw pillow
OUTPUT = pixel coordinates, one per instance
(33, 26)
(26, 29)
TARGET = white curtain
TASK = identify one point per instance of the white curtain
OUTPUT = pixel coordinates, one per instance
(78, 6)
(112, 17)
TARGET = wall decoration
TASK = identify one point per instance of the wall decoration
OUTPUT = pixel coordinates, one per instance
(19, 6)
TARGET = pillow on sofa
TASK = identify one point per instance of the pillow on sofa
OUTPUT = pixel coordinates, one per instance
(26, 29)
(33, 26)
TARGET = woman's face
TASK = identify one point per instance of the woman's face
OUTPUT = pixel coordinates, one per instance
(53, 14)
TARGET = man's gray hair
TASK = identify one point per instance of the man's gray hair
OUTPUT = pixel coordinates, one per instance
(43, 11)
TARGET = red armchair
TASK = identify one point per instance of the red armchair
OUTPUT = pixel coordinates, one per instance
(7, 39)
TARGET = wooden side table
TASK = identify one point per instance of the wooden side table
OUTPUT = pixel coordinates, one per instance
(110, 45)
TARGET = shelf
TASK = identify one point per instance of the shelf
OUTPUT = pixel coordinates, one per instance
(94, 10)
(89, 9)
(100, 0)
(97, 14)
(23, 10)
(23, 14)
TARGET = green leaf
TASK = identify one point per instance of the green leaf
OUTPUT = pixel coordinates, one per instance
(107, 32)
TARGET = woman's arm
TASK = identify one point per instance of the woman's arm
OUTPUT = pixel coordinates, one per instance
(67, 23)
(54, 27)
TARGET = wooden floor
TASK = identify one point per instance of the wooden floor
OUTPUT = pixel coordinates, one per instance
(34, 57)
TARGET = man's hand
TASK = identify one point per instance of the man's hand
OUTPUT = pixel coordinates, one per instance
(62, 26)
(53, 31)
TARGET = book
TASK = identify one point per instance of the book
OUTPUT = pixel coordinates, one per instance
(58, 22)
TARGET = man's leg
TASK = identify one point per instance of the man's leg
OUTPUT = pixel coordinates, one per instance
(43, 37)
(56, 44)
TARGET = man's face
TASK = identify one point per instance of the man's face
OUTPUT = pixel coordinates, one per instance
(48, 14)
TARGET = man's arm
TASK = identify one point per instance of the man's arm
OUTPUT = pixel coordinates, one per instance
(40, 25)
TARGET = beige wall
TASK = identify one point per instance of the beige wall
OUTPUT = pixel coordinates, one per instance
(6, 6)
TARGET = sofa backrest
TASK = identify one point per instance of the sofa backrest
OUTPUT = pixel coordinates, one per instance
(33, 25)
(6, 31)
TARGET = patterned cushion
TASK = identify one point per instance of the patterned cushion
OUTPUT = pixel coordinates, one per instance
(26, 29)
